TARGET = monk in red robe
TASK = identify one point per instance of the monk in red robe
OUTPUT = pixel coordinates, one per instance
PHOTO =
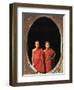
(37, 58)
(49, 55)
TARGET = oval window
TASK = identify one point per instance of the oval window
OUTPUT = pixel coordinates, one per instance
(44, 29)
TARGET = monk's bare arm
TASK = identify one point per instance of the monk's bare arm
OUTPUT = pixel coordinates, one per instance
(32, 56)
(54, 55)
(33, 59)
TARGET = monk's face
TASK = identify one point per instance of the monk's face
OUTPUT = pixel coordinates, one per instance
(37, 44)
(47, 45)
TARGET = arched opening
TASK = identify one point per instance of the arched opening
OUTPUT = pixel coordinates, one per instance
(44, 29)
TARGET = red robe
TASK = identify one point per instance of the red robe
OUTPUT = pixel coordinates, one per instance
(38, 60)
(49, 60)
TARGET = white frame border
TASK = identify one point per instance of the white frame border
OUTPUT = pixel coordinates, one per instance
(53, 76)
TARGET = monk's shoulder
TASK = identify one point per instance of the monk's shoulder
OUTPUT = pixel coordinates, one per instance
(52, 50)
(44, 50)
(33, 50)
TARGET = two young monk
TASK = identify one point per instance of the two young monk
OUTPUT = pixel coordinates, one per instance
(43, 60)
